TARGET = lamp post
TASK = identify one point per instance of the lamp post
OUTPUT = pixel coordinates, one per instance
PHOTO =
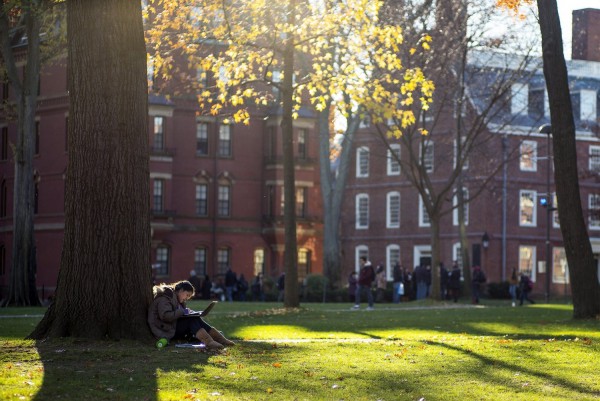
(547, 129)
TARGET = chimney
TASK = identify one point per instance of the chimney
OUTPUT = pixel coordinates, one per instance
(586, 35)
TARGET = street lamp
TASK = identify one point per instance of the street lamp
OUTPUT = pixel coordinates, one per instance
(547, 129)
(485, 240)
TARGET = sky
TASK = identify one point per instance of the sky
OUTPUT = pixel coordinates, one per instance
(565, 9)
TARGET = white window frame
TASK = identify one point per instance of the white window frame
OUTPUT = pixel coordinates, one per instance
(589, 105)
(532, 267)
(390, 221)
(594, 158)
(424, 220)
(428, 153)
(534, 208)
(393, 165)
(390, 262)
(465, 206)
(555, 218)
(519, 104)
(362, 160)
(358, 220)
(360, 250)
(525, 156)
(560, 264)
(593, 204)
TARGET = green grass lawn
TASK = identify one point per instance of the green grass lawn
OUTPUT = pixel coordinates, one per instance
(434, 351)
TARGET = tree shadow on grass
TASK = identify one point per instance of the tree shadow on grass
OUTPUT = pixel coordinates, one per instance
(75, 369)
(499, 364)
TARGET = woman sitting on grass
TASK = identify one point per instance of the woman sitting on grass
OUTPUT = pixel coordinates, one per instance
(165, 317)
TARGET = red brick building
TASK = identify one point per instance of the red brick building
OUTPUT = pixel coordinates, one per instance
(384, 218)
(216, 196)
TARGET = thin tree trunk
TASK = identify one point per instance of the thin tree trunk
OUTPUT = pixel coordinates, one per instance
(583, 269)
(22, 285)
(104, 282)
(289, 181)
(435, 290)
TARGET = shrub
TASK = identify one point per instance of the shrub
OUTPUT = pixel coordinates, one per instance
(498, 290)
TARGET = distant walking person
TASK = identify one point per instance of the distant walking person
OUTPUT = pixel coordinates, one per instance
(525, 285)
(352, 284)
(398, 274)
(281, 287)
(366, 276)
(513, 283)
(230, 284)
(477, 278)
(454, 282)
(381, 280)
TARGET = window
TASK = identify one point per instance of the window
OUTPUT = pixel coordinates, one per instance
(362, 162)
(576, 105)
(201, 139)
(392, 257)
(460, 155)
(359, 252)
(200, 260)
(427, 155)
(224, 200)
(224, 140)
(594, 211)
(271, 200)
(527, 261)
(465, 196)
(158, 140)
(424, 220)
(302, 135)
(393, 160)
(3, 198)
(457, 255)
(4, 144)
(301, 202)
(588, 105)
(519, 99)
(157, 196)
(560, 267)
(528, 157)
(304, 256)
(527, 208)
(362, 211)
(594, 158)
(537, 103)
(223, 259)
(393, 210)
(37, 137)
(202, 199)
(162, 260)
(259, 261)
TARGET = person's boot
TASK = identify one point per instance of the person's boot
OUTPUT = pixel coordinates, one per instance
(220, 338)
(210, 343)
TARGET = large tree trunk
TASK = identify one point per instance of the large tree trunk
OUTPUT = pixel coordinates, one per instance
(289, 176)
(22, 285)
(583, 269)
(104, 283)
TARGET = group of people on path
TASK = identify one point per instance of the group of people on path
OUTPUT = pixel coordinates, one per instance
(416, 285)
(230, 288)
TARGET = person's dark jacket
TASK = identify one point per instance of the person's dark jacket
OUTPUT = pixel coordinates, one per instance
(164, 312)
(366, 275)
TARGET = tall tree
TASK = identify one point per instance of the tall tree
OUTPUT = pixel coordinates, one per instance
(252, 47)
(585, 287)
(24, 21)
(583, 268)
(104, 282)
(460, 32)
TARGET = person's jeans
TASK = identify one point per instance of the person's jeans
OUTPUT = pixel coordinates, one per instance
(396, 296)
(512, 289)
(359, 290)
(229, 292)
(421, 290)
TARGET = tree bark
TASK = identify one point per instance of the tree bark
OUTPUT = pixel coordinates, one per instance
(583, 269)
(104, 283)
(289, 180)
(22, 285)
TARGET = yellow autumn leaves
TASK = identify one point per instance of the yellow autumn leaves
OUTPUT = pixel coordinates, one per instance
(343, 55)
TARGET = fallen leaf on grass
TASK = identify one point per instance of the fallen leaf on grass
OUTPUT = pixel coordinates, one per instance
(270, 390)
(276, 365)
